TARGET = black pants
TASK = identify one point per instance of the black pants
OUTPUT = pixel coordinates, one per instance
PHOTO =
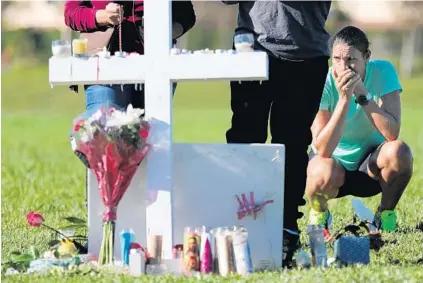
(291, 98)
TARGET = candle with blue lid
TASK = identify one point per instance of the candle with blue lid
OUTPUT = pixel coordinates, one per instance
(244, 42)
(126, 238)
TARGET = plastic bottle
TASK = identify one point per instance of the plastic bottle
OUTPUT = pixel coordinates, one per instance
(318, 245)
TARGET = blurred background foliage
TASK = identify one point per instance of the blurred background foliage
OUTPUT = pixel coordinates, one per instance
(395, 29)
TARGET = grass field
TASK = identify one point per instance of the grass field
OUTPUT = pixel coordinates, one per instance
(39, 172)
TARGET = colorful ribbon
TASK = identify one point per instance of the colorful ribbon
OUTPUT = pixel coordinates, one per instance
(110, 214)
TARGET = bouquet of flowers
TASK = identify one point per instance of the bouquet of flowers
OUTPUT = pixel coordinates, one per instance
(111, 143)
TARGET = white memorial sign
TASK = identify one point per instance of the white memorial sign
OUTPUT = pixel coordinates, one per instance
(185, 184)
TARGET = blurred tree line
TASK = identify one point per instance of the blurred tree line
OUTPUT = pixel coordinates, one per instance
(211, 31)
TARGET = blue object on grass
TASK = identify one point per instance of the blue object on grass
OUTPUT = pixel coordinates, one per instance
(352, 250)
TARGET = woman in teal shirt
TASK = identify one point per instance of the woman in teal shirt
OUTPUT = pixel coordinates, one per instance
(355, 149)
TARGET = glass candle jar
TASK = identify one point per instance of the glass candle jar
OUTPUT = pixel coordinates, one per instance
(80, 47)
(244, 42)
(61, 48)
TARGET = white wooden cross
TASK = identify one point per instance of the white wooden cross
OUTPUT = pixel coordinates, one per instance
(158, 69)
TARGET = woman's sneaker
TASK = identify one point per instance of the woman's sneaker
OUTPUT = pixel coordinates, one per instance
(324, 219)
(386, 220)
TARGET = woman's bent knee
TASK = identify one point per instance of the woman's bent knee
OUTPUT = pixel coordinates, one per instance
(397, 156)
(324, 174)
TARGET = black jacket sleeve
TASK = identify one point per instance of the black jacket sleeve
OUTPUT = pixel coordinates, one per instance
(184, 14)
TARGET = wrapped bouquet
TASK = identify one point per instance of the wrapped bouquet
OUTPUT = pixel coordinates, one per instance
(111, 143)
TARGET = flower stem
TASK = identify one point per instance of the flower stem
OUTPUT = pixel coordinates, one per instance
(112, 240)
(48, 227)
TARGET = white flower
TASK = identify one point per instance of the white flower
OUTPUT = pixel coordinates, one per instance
(85, 137)
(117, 119)
(49, 255)
(97, 115)
(128, 118)
(131, 111)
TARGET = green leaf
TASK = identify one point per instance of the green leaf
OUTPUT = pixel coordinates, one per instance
(22, 258)
(78, 237)
(13, 255)
(75, 220)
(35, 253)
(52, 243)
(56, 254)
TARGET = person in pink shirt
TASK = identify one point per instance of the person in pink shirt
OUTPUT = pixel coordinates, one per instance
(98, 21)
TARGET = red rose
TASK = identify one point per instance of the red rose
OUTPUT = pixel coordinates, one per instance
(34, 219)
(144, 134)
(78, 125)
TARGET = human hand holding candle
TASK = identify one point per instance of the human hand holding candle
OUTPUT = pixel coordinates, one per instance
(108, 16)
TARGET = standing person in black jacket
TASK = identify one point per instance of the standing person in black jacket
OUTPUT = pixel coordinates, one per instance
(293, 34)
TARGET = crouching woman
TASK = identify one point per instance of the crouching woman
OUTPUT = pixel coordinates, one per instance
(355, 148)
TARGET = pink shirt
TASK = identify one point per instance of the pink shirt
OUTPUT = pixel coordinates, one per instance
(80, 15)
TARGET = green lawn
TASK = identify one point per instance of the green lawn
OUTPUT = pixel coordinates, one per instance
(39, 172)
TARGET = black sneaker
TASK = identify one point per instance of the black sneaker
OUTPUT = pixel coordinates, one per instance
(291, 243)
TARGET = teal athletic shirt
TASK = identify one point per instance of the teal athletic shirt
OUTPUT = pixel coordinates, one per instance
(360, 137)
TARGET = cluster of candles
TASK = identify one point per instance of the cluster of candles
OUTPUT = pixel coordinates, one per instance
(79, 48)
(243, 43)
(177, 51)
(64, 48)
